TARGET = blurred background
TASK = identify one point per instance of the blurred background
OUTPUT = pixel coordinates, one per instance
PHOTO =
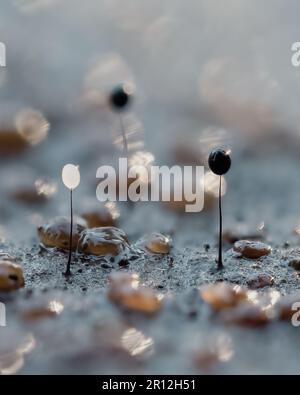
(205, 73)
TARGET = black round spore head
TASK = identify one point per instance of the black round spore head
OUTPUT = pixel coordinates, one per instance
(219, 161)
(120, 97)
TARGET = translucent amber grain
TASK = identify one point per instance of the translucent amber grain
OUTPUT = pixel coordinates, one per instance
(56, 233)
(124, 290)
(252, 249)
(11, 276)
(223, 295)
(103, 241)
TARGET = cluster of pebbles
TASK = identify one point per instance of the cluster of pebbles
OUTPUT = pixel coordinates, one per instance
(129, 307)
(95, 241)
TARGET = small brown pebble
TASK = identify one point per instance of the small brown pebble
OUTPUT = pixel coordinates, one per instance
(36, 313)
(223, 295)
(28, 195)
(20, 127)
(247, 314)
(56, 233)
(103, 241)
(120, 279)
(123, 262)
(98, 217)
(261, 281)
(206, 247)
(206, 358)
(158, 243)
(11, 142)
(34, 193)
(285, 306)
(213, 351)
(105, 265)
(11, 276)
(252, 249)
(295, 263)
(124, 291)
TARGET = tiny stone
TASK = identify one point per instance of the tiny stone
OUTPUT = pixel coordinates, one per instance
(261, 281)
(247, 314)
(42, 311)
(252, 249)
(223, 295)
(56, 233)
(206, 247)
(295, 263)
(28, 195)
(285, 306)
(125, 291)
(123, 262)
(105, 265)
(134, 257)
(11, 276)
(158, 243)
(107, 240)
(171, 261)
(214, 349)
(206, 358)
(98, 217)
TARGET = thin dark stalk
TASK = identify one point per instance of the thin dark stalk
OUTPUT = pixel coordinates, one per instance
(68, 271)
(220, 262)
(124, 135)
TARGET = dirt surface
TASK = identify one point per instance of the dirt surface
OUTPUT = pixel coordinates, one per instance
(91, 335)
(218, 92)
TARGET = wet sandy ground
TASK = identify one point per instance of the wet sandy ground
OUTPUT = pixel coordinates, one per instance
(188, 104)
(91, 335)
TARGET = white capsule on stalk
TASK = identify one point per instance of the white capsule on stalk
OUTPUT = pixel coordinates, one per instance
(71, 176)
